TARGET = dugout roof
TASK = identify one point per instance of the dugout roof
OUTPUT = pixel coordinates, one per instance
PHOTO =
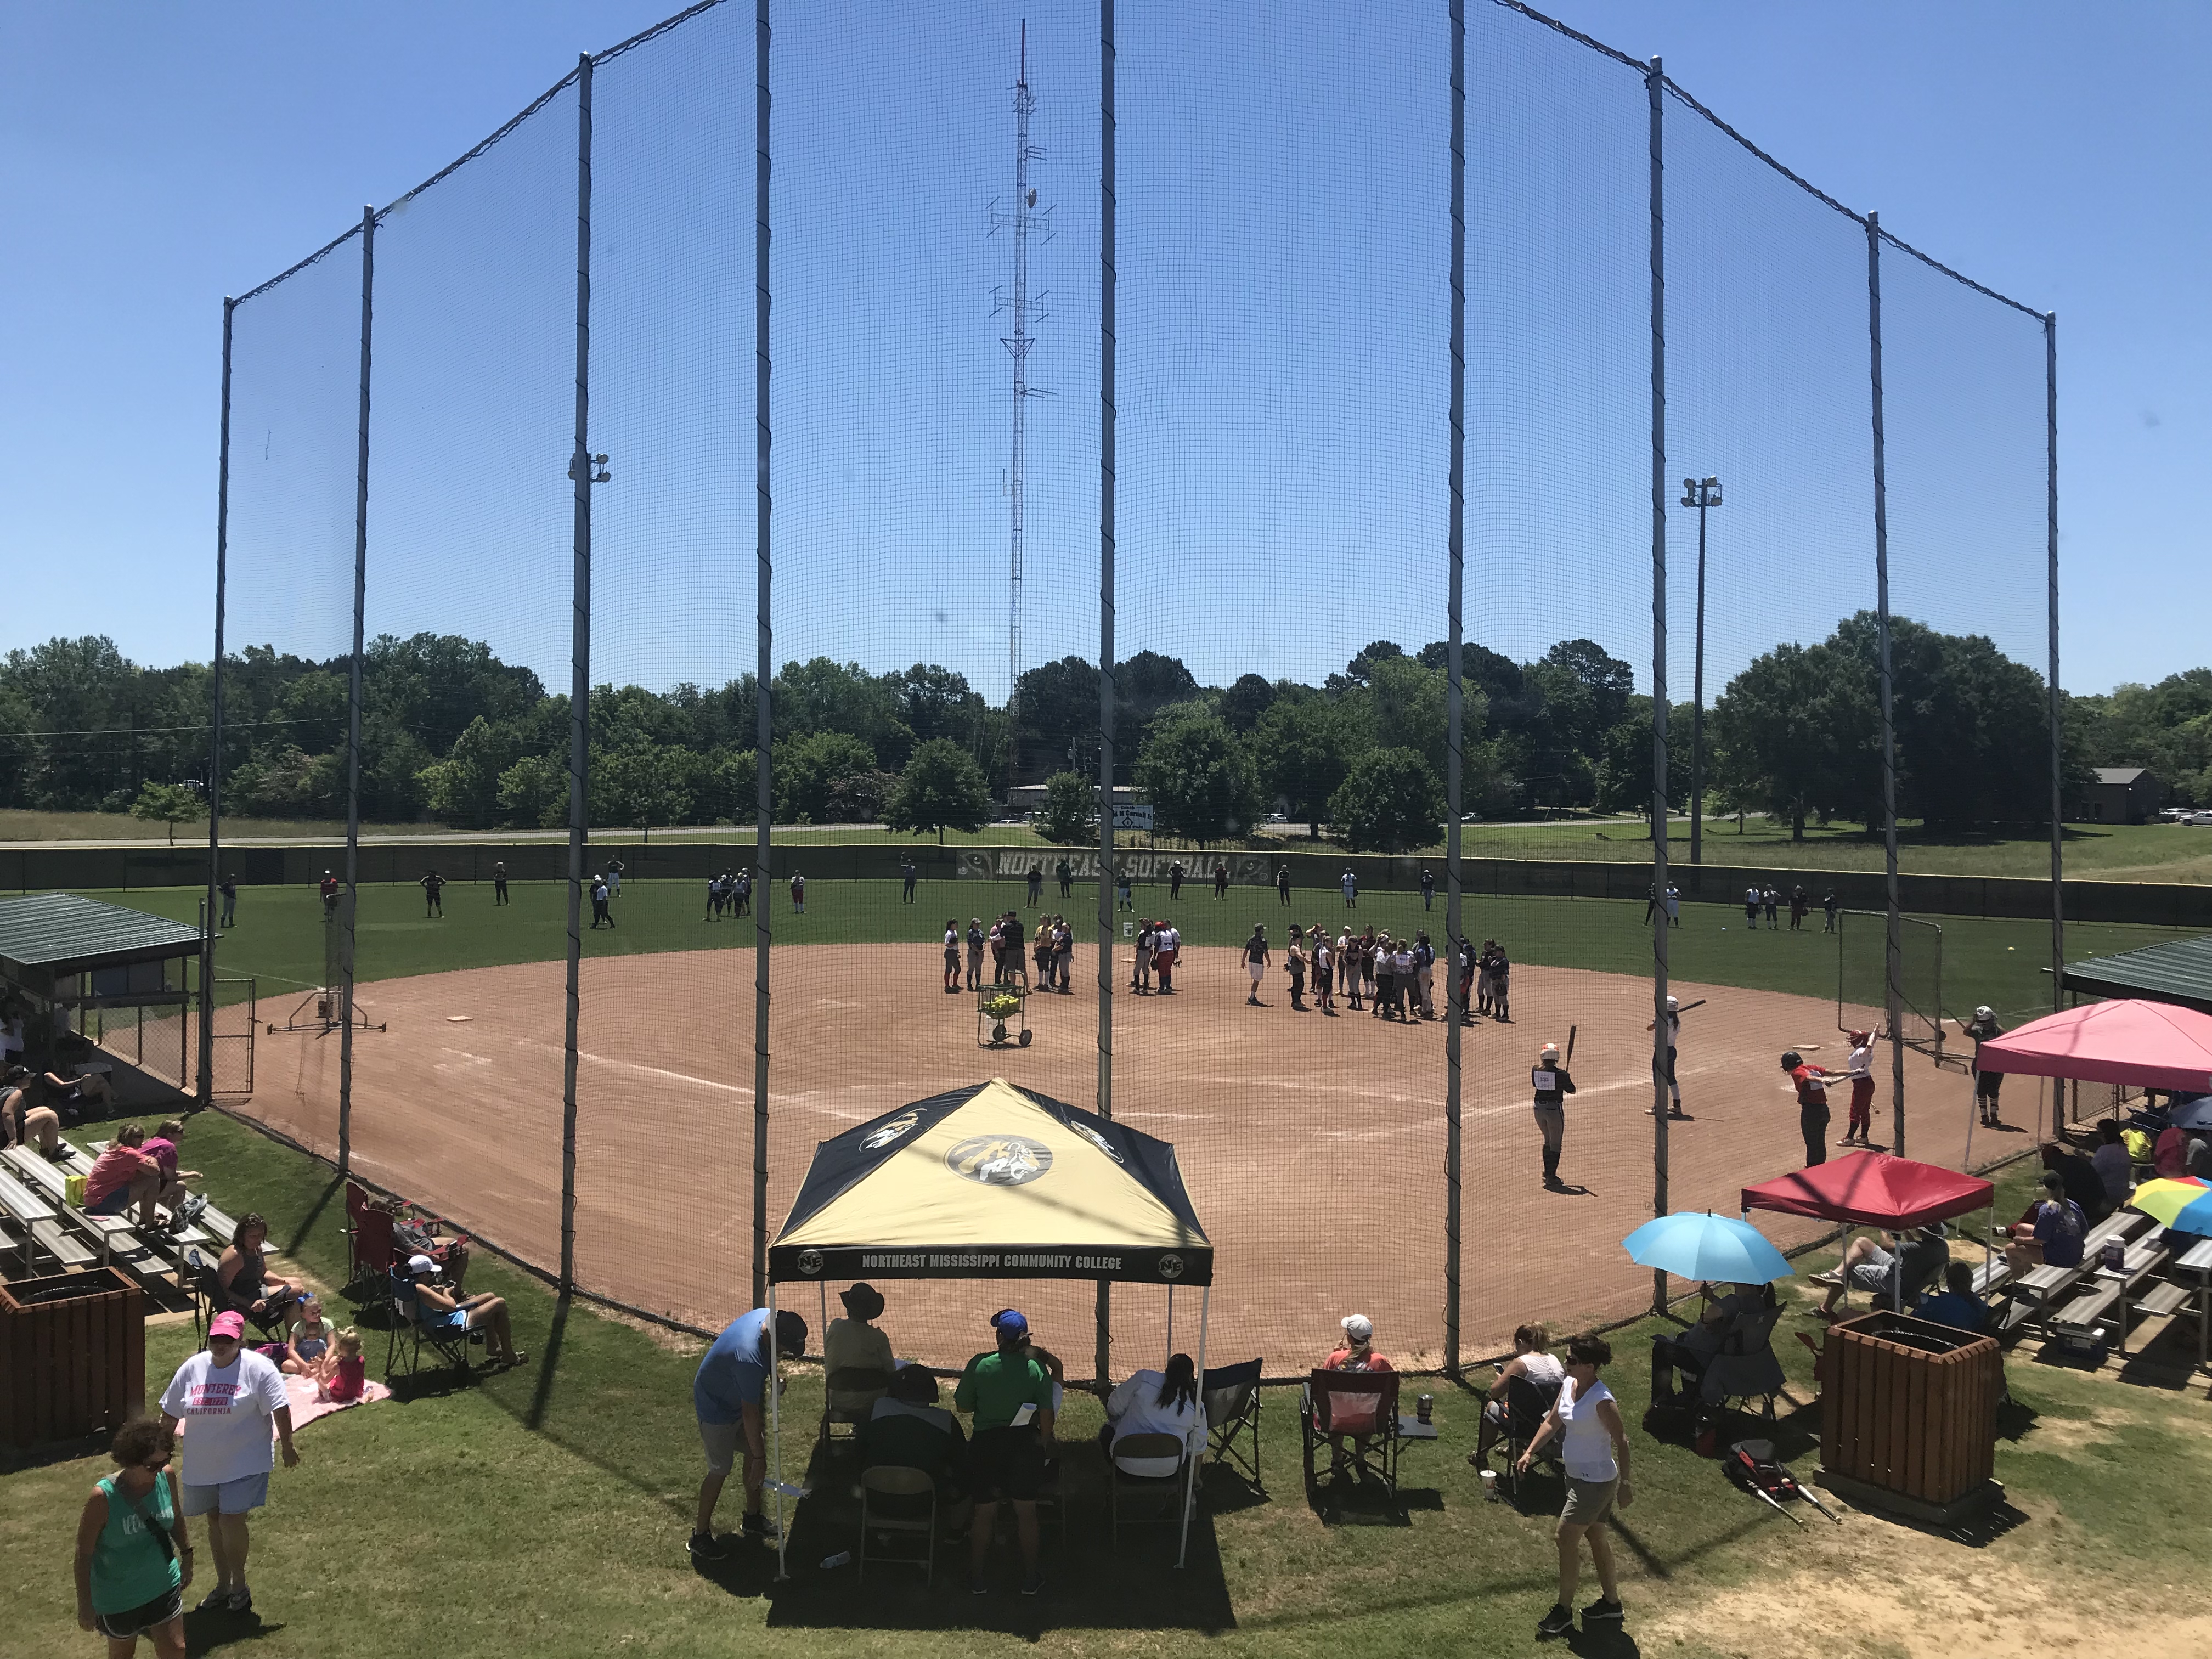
(2180, 972)
(61, 933)
(992, 1181)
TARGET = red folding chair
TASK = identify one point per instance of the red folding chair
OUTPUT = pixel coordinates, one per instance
(369, 1252)
(1355, 1414)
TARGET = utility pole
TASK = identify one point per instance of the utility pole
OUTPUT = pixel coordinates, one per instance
(1702, 494)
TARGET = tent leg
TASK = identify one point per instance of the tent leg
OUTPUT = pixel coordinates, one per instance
(1171, 1352)
(775, 1434)
(1192, 1460)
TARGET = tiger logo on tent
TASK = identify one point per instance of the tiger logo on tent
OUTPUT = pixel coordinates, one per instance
(876, 1139)
(999, 1160)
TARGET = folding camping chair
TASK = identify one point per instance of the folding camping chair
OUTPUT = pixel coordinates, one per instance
(903, 1512)
(370, 1256)
(1361, 1407)
(410, 1334)
(1526, 1404)
(1746, 1368)
(1167, 1486)
(1232, 1414)
(849, 1380)
(208, 1298)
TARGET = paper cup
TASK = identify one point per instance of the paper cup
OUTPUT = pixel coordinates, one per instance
(1490, 1483)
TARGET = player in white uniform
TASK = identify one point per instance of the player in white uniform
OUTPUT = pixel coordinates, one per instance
(1673, 1036)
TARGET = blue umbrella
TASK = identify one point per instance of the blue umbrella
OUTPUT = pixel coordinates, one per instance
(2195, 1217)
(1698, 1244)
(2193, 1113)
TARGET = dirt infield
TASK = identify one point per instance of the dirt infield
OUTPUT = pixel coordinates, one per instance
(1314, 1147)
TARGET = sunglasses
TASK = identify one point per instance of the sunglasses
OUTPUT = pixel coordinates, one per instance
(156, 1465)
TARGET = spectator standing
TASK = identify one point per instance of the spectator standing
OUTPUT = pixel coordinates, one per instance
(728, 1396)
(1009, 1390)
(1594, 1451)
(230, 1396)
(228, 887)
(134, 1552)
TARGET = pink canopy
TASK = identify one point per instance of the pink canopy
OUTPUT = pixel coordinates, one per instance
(1873, 1189)
(2152, 1045)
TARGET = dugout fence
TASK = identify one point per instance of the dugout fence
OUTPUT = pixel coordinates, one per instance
(1375, 420)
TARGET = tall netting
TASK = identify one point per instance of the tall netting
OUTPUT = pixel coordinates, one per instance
(288, 602)
(1964, 378)
(1274, 892)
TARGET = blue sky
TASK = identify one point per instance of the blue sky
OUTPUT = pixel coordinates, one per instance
(1281, 328)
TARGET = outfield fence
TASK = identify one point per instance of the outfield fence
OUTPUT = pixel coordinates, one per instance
(1398, 416)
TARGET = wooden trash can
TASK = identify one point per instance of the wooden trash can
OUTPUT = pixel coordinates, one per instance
(72, 1356)
(1908, 1415)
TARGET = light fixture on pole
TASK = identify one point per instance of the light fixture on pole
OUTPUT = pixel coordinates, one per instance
(1704, 493)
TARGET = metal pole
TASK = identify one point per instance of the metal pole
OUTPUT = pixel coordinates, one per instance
(2051, 558)
(1697, 705)
(1103, 1355)
(206, 1092)
(1656, 81)
(1893, 942)
(352, 899)
(763, 665)
(580, 672)
(1455, 690)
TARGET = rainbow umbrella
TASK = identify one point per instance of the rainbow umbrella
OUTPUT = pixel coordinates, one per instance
(2185, 1204)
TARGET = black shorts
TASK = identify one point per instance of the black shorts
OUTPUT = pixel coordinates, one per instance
(1988, 1083)
(137, 1621)
(1005, 1463)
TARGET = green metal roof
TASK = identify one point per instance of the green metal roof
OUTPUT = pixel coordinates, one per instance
(2180, 972)
(61, 932)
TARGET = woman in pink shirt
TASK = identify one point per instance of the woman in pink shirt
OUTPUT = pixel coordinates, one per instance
(124, 1175)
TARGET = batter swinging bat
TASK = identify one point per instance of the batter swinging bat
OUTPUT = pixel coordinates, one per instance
(1687, 1007)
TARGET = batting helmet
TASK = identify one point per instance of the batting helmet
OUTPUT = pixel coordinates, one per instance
(1791, 1060)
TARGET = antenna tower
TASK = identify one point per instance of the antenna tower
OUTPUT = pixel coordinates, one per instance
(1017, 345)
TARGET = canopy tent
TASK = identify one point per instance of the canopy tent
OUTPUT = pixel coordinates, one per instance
(2152, 1045)
(1876, 1190)
(1873, 1189)
(994, 1182)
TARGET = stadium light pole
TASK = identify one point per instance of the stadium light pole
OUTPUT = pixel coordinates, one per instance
(1704, 493)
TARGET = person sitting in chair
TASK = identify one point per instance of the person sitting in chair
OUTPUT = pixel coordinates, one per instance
(1355, 1353)
(1887, 1269)
(1532, 1359)
(1692, 1352)
(853, 1343)
(1154, 1402)
(440, 1309)
(1956, 1305)
(907, 1429)
(243, 1281)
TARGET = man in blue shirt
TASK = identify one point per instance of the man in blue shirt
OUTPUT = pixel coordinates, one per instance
(729, 1394)
(1957, 1305)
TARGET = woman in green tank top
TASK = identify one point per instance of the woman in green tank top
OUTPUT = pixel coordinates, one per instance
(133, 1558)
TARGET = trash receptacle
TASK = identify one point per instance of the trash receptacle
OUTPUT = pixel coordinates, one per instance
(1908, 1415)
(72, 1356)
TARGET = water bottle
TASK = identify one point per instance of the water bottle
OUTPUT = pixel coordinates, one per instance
(831, 1563)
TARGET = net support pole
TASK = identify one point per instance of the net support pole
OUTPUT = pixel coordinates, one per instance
(351, 903)
(206, 1090)
(1892, 953)
(1656, 81)
(1454, 689)
(580, 673)
(1102, 1357)
(2057, 713)
(764, 664)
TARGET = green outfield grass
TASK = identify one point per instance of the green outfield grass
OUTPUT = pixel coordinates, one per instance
(279, 937)
(543, 1511)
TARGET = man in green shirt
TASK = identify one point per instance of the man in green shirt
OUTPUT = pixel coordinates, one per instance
(1010, 1391)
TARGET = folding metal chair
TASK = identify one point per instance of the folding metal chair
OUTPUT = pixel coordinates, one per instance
(902, 1513)
(1526, 1404)
(1360, 1408)
(1232, 1414)
(1169, 1486)
(849, 1380)
(410, 1334)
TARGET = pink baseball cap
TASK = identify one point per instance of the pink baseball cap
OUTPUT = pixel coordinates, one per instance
(226, 1324)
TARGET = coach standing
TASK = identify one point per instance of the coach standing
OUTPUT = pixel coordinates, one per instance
(729, 1397)
(1812, 1084)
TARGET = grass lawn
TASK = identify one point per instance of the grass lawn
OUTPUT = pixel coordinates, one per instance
(543, 1512)
(279, 936)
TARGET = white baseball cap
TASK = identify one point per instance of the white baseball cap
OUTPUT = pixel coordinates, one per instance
(1674, 1003)
(1359, 1326)
(419, 1265)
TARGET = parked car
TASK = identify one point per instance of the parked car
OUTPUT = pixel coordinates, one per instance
(2200, 818)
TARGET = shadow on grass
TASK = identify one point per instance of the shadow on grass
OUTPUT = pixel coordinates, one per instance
(313, 1218)
(207, 1631)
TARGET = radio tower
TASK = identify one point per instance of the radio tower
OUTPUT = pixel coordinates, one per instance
(1017, 347)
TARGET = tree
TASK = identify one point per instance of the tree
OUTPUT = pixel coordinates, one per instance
(463, 789)
(644, 786)
(821, 695)
(1200, 780)
(1404, 705)
(941, 788)
(1069, 817)
(1390, 802)
(1057, 718)
(1303, 748)
(1242, 703)
(166, 803)
(809, 773)
(1791, 736)
(533, 793)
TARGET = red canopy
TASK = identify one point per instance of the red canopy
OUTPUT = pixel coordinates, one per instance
(1872, 1188)
(2153, 1045)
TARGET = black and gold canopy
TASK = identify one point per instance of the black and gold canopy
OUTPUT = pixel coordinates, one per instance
(992, 1181)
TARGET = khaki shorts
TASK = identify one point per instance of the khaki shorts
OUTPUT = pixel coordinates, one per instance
(1588, 1502)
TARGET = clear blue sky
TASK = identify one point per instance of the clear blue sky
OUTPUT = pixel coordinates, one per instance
(1282, 367)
